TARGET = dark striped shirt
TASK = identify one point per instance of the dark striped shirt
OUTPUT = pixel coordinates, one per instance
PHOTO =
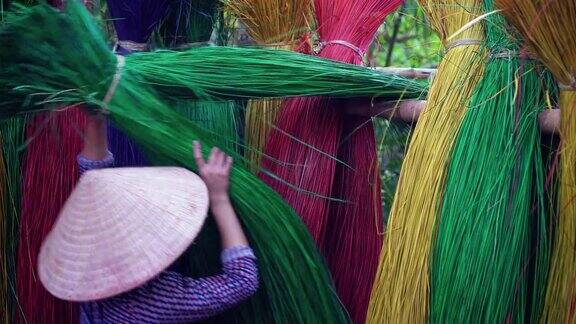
(172, 297)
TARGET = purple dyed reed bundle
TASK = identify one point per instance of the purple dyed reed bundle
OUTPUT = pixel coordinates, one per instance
(134, 21)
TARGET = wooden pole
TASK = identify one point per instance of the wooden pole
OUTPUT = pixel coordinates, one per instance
(410, 73)
(408, 111)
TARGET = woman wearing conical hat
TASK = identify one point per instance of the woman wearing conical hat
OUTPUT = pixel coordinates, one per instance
(122, 228)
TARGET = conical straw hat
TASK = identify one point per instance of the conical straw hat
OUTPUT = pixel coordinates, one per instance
(120, 228)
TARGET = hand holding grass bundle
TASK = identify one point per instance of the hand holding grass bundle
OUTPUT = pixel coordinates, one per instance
(550, 30)
(190, 24)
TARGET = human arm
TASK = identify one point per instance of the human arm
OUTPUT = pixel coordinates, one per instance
(95, 154)
(216, 172)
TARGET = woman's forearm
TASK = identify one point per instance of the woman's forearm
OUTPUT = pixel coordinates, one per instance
(228, 224)
(95, 138)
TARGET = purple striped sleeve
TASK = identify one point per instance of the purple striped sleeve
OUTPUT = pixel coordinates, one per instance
(85, 164)
(173, 298)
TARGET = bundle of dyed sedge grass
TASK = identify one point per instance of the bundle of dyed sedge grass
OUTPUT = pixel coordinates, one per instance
(318, 152)
(401, 289)
(49, 176)
(53, 74)
(207, 72)
(550, 29)
(12, 136)
(277, 24)
(190, 24)
(201, 73)
(490, 257)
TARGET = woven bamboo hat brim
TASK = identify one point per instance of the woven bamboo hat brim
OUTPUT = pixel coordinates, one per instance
(120, 228)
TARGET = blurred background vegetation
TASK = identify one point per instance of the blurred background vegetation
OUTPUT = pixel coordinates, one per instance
(405, 40)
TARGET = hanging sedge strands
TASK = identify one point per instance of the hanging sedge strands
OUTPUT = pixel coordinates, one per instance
(401, 290)
(190, 24)
(353, 241)
(275, 24)
(311, 135)
(134, 22)
(50, 174)
(494, 202)
(302, 295)
(12, 134)
(5, 307)
(11, 137)
(4, 252)
(550, 29)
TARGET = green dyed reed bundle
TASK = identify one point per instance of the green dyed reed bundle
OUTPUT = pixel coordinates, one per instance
(207, 72)
(549, 28)
(56, 73)
(190, 24)
(484, 268)
(12, 137)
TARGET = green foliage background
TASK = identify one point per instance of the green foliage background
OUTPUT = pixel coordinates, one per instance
(405, 40)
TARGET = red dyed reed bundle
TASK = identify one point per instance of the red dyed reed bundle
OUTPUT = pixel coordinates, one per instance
(323, 153)
(49, 175)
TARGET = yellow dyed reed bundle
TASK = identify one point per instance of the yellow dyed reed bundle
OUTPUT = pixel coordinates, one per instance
(401, 290)
(550, 28)
(277, 24)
